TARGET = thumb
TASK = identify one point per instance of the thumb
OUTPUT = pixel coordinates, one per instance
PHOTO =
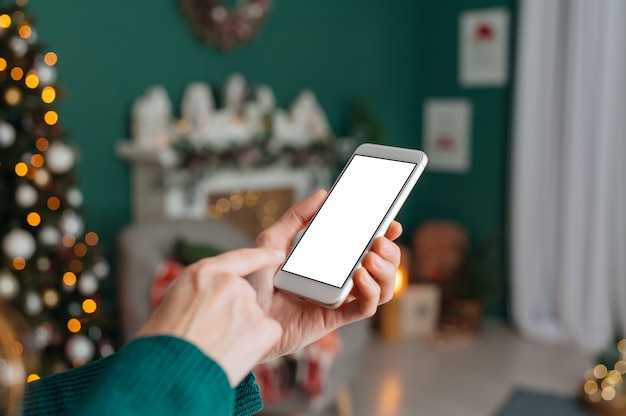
(291, 222)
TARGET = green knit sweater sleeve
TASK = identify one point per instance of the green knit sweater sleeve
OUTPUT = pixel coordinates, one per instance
(159, 375)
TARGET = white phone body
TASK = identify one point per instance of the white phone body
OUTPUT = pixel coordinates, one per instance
(359, 207)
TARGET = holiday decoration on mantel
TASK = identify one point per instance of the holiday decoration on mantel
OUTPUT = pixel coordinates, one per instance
(247, 131)
(225, 27)
(50, 268)
(604, 389)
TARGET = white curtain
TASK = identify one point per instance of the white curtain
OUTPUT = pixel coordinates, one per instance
(568, 194)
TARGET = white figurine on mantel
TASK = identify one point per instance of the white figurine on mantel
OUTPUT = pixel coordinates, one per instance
(151, 118)
(232, 124)
(265, 100)
(235, 93)
(198, 110)
(305, 123)
(256, 110)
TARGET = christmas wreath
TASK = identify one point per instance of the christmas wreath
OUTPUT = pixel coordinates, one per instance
(225, 27)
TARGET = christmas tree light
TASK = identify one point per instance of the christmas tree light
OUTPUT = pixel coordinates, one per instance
(50, 266)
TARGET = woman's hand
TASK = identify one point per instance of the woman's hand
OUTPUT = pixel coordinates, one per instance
(213, 307)
(304, 322)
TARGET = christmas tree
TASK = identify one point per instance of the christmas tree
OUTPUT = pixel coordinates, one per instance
(50, 265)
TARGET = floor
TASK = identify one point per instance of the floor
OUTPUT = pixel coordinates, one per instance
(463, 378)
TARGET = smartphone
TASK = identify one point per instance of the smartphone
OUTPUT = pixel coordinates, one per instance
(359, 207)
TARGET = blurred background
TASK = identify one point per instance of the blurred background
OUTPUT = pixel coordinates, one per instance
(183, 128)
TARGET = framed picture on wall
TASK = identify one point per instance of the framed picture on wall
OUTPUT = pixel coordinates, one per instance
(484, 47)
(447, 127)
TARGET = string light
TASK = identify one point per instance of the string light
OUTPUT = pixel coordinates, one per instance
(51, 118)
(17, 73)
(32, 81)
(80, 250)
(608, 393)
(252, 198)
(50, 58)
(590, 387)
(37, 160)
(3, 64)
(69, 279)
(25, 31)
(21, 169)
(19, 263)
(68, 240)
(33, 219)
(54, 203)
(13, 96)
(42, 177)
(222, 205)
(42, 144)
(18, 16)
(614, 377)
(74, 325)
(5, 21)
(91, 238)
(89, 306)
(50, 298)
(236, 201)
(48, 95)
(32, 377)
(600, 371)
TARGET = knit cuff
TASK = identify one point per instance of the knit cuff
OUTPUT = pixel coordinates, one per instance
(161, 375)
(248, 397)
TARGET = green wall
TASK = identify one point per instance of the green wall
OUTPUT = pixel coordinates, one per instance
(391, 54)
(477, 200)
(110, 52)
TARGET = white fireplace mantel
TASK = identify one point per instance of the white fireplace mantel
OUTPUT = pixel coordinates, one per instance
(153, 199)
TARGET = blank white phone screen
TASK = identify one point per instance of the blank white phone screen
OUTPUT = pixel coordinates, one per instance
(349, 218)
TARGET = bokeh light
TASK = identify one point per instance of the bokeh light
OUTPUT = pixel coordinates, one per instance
(13, 96)
(25, 31)
(42, 144)
(32, 377)
(51, 118)
(50, 58)
(74, 325)
(54, 203)
(69, 279)
(33, 219)
(80, 250)
(91, 238)
(37, 160)
(21, 169)
(68, 240)
(32, 81)
(17, 73)
(19, 263)
(5, 21)
(89, 306)
(48, 95)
